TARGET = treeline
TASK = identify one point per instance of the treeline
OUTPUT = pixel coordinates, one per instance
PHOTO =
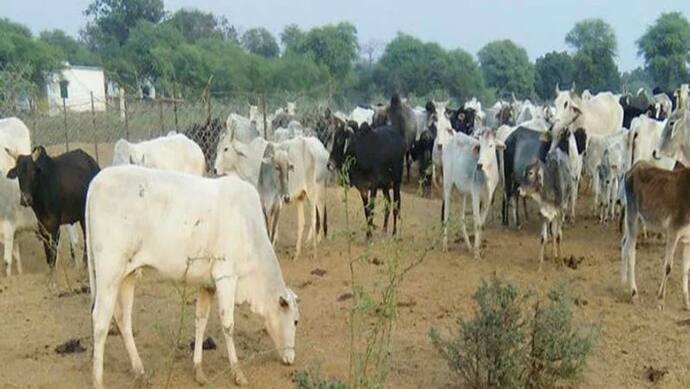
(137, 42)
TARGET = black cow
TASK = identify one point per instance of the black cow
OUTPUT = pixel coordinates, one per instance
(56, 190)
(377, 161)
(422, 153)
(463, 119)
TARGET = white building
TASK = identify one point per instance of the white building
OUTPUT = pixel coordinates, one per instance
(77, 83)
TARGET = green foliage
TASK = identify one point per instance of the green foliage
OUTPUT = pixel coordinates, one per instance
(665, 47)
(507, 68)
(515, 342)
(551, 69)
(305, 379)
(19, 49)
(595, 47)
(73, 51)
(291, 36)
(196, 25)
(112, 20)
(259, 41)
(334, 46)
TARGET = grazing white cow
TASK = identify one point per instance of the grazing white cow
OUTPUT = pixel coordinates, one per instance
(362, 115)
(470, 166)
(266, 168)
(171, 152)
(600, 115)
(15, 139)
(203, 232)
(241, 128)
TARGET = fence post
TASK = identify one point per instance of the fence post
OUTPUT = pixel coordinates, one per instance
(177, 128)
(207, 97)
(95, 130)
(123, 104)
(34, 111)
(160, 113)
(64, 115)
(263, 110)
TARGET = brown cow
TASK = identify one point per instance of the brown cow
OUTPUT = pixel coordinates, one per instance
(661, 198)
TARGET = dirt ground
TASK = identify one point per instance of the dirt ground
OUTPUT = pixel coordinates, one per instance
(34, 319)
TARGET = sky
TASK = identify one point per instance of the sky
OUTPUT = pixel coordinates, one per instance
(539, 26)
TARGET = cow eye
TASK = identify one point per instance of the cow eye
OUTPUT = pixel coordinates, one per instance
(565, 105)
(225, 149)
(296, 322)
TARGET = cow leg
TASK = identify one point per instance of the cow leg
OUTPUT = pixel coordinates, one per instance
(396, 206)
(364, 193)
(372, 204)
(123, 318)
(18, 256)
(445, 212)
(463, 225)
(300, 226)
(628, 251)
(203, 308)
(669, 254)
(225, 291)
(554, 233)
(524, 209)
(514, 210)
(386, 208)
(101, 316)
(595, 187)
(544, 239)
(684, 278)
(8, 230)
(275, 214)
(408, 164)
(477, 215)
(73, 241)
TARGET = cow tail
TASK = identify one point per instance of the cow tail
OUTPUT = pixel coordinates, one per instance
(325, 220)
(89, 252)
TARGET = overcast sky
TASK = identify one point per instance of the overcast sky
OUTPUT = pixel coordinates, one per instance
(537, 25)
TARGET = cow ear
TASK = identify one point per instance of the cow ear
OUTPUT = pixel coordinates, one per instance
(291, 167)
(475, 150)
(500, 144)
(283, 302)
(38, 150)
(576, 109)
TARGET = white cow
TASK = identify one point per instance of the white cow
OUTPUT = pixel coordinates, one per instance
(241, 128)
(15, 139)
(444, 133)
(610, 172)
(470, 166)
(257, 117)
(171, 152)
(644, 140)
(675, 137)
(15, 219)
(600, 115)
(594, 154)
(260, 164)
(293, 130)
(362, 115)
(200, 231)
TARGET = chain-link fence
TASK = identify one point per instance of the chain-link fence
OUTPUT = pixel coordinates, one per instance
(95, 125)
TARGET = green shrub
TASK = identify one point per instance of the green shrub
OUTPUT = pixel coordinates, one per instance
(306, 379)
(516, 341)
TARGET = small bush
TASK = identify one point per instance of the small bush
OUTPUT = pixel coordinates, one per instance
(305, 379)
(515, 341)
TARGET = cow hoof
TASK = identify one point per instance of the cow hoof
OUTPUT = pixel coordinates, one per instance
(240, 379)
(660, 305)
(199, 375)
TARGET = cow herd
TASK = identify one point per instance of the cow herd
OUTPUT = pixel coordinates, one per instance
(208, 213)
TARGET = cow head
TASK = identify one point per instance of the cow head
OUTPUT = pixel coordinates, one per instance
(568, 109)
(339, 146)
(439, 124)
(26, 170)
(291, 108)
(533, 179)
(674, 143)
(228, 154)
(282, 165)
(485, 151)
(505, 115)
(281, 319)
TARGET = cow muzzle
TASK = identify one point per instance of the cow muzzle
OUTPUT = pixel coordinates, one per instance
(655, 155)
(286, 199)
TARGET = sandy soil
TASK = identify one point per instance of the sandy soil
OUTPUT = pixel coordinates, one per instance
(34, 318)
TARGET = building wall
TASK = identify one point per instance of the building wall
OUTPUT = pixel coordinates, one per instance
(81, 82)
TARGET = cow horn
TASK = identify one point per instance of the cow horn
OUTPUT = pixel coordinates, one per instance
(557, 89)
(11, 154)
(38, 150)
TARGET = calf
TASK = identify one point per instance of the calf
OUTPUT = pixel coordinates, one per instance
(377, 156)
(548, 182)
(203, 232)
(470, 166)
(659, 198)
(15, 219)
(56, 190)
(171, 152)
(610, 171)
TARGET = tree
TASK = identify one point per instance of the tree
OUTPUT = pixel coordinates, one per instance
(291, 36)
(23, 55)
(332, 45)
(551, 69)
(665, 47)
(595, 47)
(74, 51)
(635, 79)
(507, 68)
(196, 25)
(112, 20)
(260, 41)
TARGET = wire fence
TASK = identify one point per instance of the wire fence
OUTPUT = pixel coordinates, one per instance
(95, 124)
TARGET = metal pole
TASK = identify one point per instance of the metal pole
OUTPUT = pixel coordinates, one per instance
(64, 115)
(124, 104)
(177, 128)
(160, 113)
(95, 130)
